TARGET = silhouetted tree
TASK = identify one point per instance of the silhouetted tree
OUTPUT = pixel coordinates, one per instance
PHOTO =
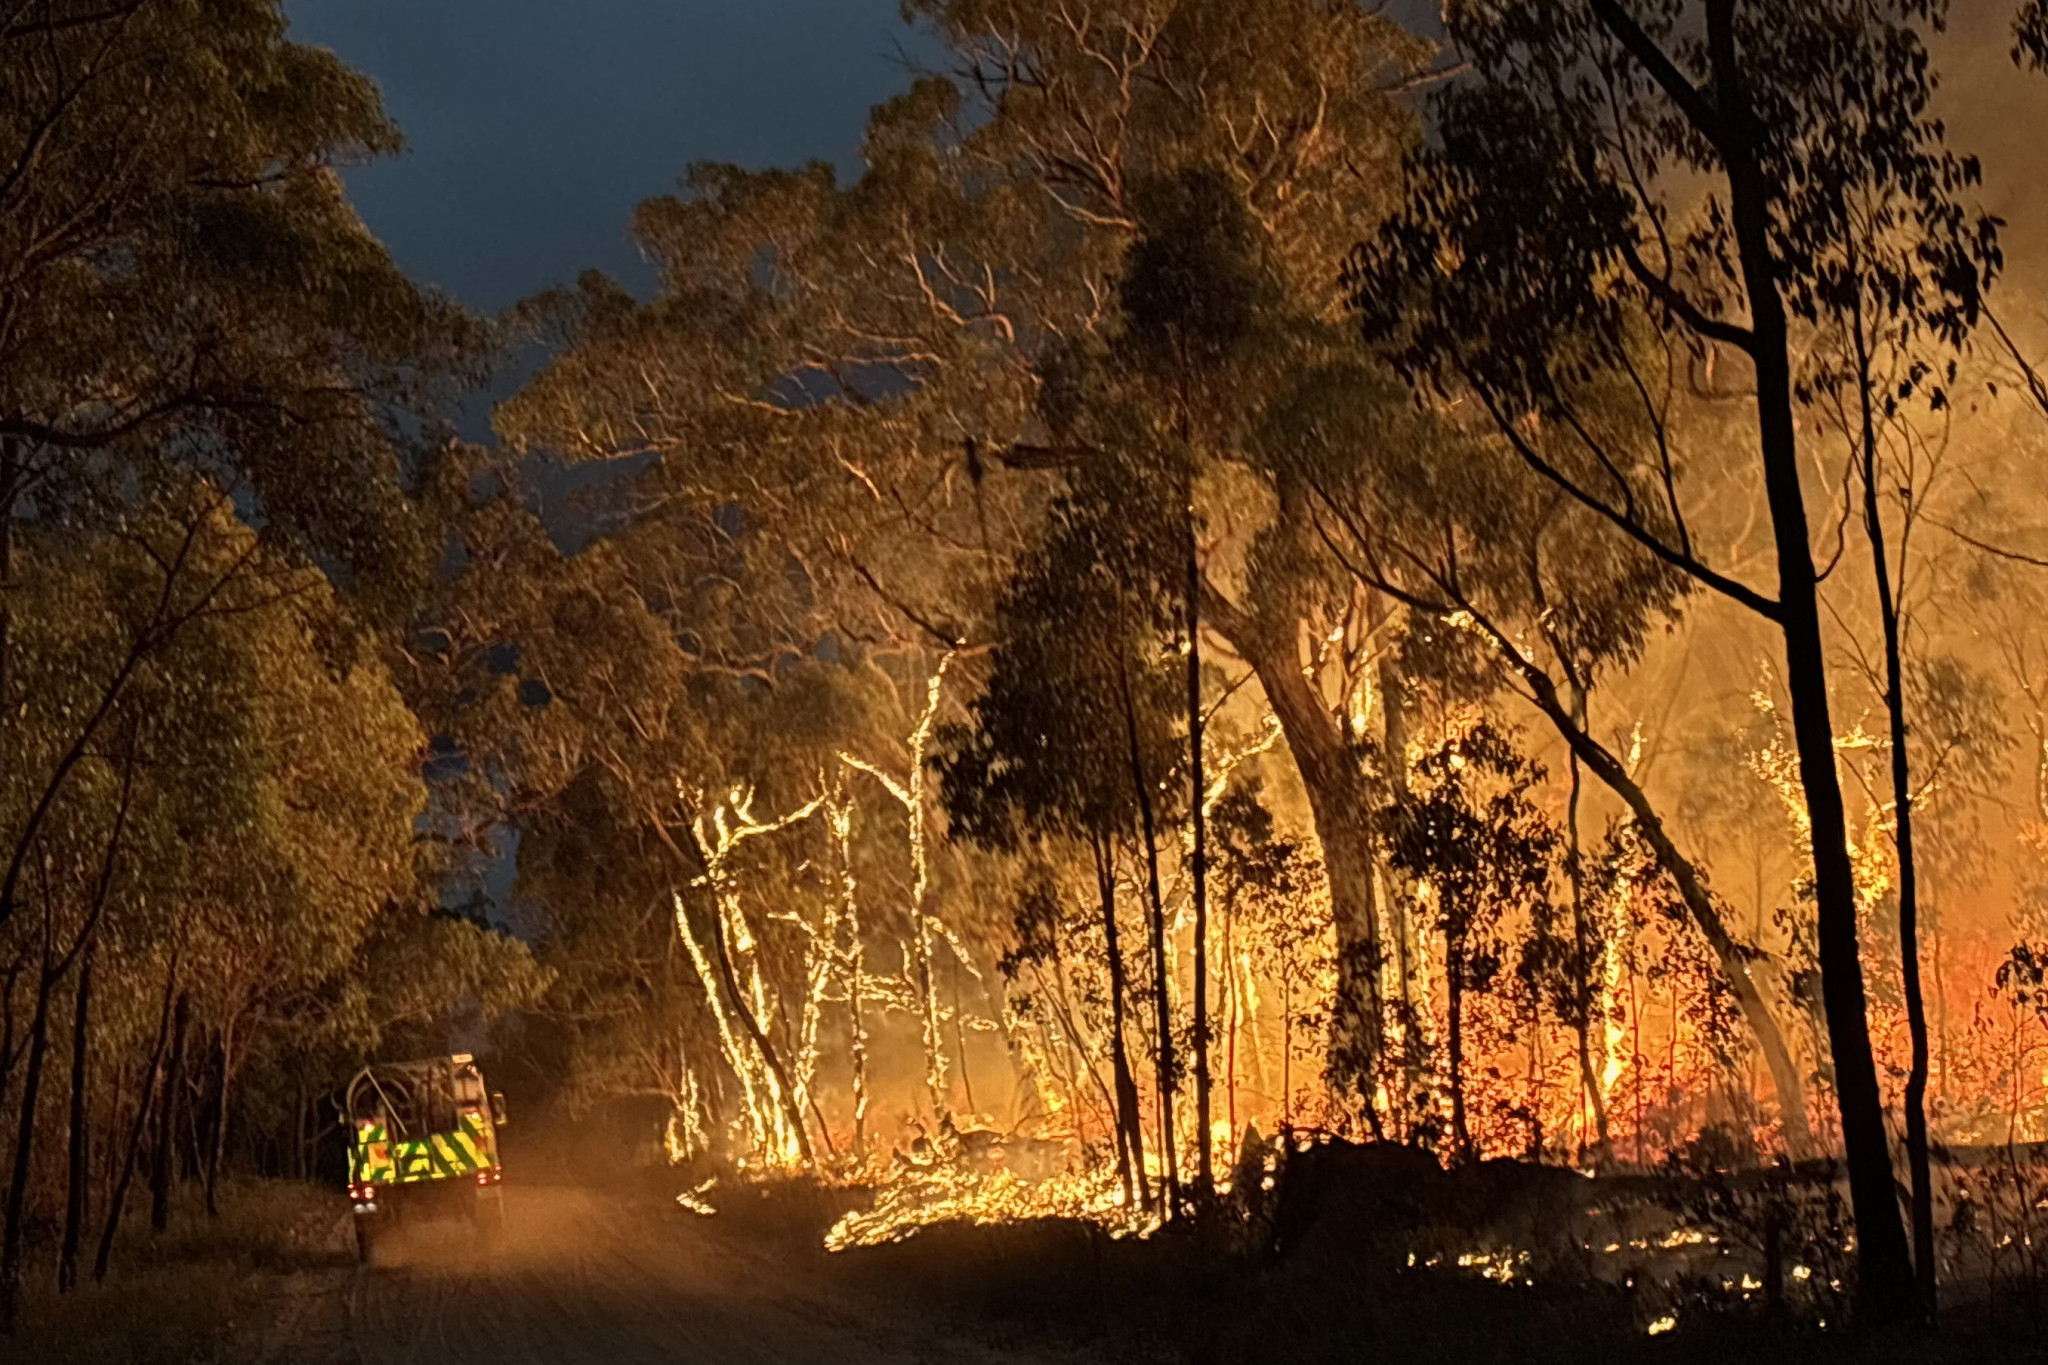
(1551, 188)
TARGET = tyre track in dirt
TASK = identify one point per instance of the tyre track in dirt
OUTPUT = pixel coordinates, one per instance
(582, 1277)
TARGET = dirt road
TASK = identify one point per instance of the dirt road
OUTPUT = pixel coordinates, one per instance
(588, 1279)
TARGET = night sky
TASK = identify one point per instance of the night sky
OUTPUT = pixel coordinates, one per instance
(535, 126)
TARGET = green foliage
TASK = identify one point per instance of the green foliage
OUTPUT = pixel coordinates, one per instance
(1193, 289)
(189, 289)
(221, 414)
(1546, 219)
(1474, 837)
(1047, 750)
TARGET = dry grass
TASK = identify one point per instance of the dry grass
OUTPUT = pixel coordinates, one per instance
(190, 1296)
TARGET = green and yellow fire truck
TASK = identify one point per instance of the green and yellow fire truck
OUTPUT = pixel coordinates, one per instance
(424, 1138)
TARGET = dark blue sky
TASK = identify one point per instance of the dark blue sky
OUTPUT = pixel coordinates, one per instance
(536, 125)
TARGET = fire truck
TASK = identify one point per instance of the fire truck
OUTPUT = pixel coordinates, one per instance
(424, 1141)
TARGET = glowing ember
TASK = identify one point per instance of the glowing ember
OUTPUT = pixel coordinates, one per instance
(950, 1195)
(694, 1200)
(1503, 1267)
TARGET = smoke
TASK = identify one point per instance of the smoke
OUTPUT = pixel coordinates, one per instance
(1999, 112)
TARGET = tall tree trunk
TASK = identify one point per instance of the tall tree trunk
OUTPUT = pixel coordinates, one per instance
(153, 1084)
(1400, 902)
(1582, 949)
(1198, 784)
(193, 1165)
(1888, 1280)
(78, 1175)
(10, 496)
(217, 1150)
(785, 1092)
(1231, 1007)
(1887, 1291)
(1886, 1288)
(8, 1050)
(938, 1088)
(162, 1169)
(1341, 801)
(298, 1166)
(960, 1044)
(1162, 995)
(25, 1146)
(1130, 1128)
(1454, 986)
(852, 965)
(1924, 1261)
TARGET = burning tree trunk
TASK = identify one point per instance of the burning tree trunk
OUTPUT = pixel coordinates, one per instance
(782, 1090)
(919, 953)
(1230, 1015)
(821, 957)
(1582, 955)
(851, 959)
(776, 1117)
(1415, 1015)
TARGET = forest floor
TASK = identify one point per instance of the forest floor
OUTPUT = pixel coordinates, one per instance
(191, 1294)
(584, 1276)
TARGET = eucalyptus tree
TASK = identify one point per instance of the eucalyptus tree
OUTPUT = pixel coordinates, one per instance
(1488, 856)
(1944, 742)
(219, 399)
(188, 290)
(1140, 411)
(1071, 736)
(241, 839)
(1688, 168)
(639, 706)
(1523, 583)
(1224, 147)
(858, 369)
(190, 313)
